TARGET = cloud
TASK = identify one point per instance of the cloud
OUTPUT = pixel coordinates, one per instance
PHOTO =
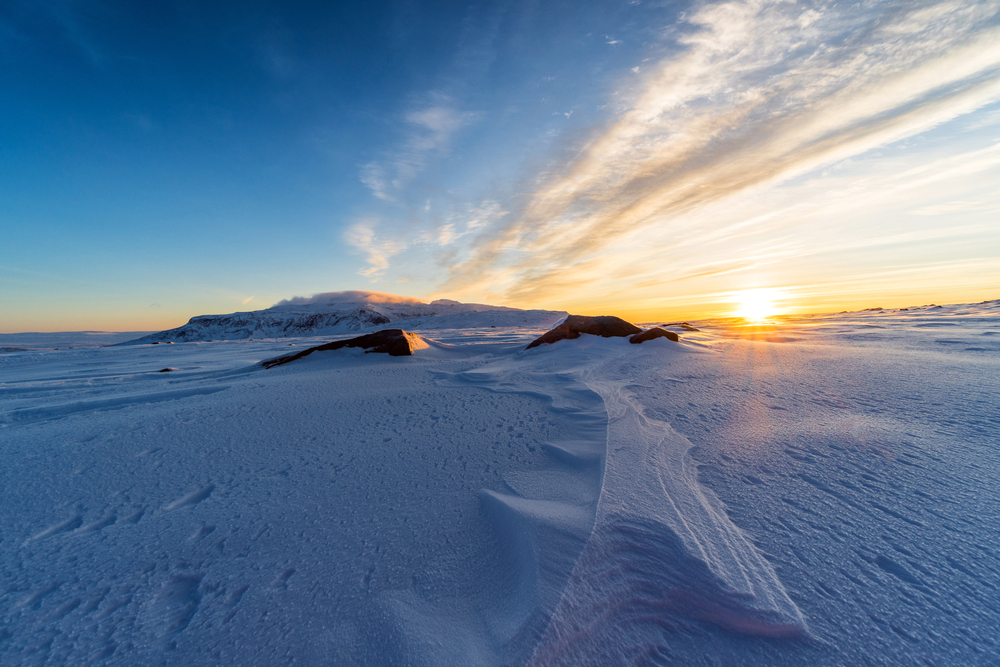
(759, 92)
(378, 250)
(247, 300)
(467, 220)
(428, 129)
(373, 176)
(989, 119)
(349, 296)
(827, 229)
(959, 206)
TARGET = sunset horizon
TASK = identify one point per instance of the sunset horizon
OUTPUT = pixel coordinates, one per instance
(500, 333)
(651, 160)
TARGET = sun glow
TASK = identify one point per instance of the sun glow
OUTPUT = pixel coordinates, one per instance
(757, 304)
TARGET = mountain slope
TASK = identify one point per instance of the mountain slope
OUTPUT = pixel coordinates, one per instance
(335, 313)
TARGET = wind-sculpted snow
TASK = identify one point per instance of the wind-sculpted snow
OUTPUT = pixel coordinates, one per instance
(662, 551)
(810, 491)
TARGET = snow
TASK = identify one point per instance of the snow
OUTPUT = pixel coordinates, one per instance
(335, 313)
(14, 342)
(815, 490)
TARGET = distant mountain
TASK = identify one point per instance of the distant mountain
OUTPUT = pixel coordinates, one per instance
(334, 313)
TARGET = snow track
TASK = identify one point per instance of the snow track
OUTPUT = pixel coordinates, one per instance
(662, 550)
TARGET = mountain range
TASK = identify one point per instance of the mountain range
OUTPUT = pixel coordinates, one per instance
(333, 313)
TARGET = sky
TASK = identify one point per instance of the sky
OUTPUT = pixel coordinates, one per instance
(160, 161)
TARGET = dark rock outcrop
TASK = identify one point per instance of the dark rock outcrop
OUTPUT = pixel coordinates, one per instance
(606, 326)
(394, 342)
(655, 332)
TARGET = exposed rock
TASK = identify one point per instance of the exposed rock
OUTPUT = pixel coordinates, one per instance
(394, 342)
(167, 370)
(682, 325)
(606, 326)
(655, 332)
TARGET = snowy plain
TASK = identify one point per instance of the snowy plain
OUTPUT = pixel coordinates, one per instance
(810, 491)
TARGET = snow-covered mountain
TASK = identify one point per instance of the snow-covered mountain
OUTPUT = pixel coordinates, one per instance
(333, 313)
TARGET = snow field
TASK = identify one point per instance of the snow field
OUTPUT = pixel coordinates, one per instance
(818, 491)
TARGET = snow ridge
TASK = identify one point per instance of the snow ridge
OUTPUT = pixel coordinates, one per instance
(617, 539)
(662, 551)
(651, 565)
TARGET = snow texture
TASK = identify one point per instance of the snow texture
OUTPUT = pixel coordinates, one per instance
(815, 490)
(20, 342)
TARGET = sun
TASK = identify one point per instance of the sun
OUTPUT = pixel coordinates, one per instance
(757, 304)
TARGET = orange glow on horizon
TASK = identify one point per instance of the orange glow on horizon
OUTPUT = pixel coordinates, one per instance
(756, 305)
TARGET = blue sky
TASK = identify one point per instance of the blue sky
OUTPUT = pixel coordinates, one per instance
(648, 158)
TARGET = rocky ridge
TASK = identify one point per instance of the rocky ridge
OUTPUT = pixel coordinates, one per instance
(606, 326)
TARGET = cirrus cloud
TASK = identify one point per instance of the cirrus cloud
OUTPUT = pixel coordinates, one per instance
(759, 92)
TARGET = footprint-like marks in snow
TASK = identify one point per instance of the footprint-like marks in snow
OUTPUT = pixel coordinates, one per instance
(192, 498)
(34, 600)
(171, 611)
(95, 526)
(201, 533)
(49, 412)
(231, 602)
(63, 526)
(281, 581)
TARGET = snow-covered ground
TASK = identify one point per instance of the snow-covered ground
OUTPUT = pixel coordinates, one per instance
(814, 491)
(65, 339)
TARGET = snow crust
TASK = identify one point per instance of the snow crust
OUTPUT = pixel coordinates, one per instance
(42, 340)
(817, 490)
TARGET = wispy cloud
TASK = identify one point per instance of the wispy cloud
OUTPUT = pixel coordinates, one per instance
(824, 230)
(377, 249)
(467, 219)
(959, 206)
(373, 176)
(428, 129)
(759, 92)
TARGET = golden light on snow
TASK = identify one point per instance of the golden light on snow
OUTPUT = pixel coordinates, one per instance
(757, 304)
